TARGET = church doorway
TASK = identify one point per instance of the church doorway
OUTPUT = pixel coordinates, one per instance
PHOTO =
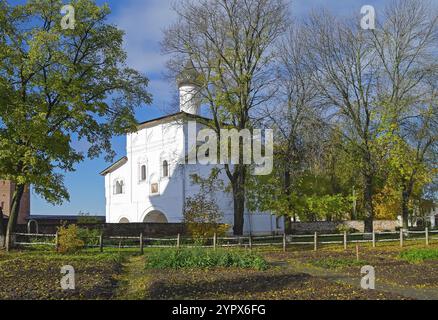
(155, 216)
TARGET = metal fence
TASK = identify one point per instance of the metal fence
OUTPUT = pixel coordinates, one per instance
(284, 241)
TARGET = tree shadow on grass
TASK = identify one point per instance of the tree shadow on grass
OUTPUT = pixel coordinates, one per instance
(248, 284)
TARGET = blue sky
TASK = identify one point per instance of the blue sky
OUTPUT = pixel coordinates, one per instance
(143, 22)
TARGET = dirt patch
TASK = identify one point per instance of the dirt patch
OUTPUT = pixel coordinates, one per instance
(389, 267)
(38, 277)
(236, 284)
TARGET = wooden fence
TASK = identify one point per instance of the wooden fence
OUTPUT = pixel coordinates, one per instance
(284, 241)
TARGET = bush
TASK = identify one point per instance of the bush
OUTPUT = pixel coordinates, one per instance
(69, 240)
(204, 258)
(203, 218)
(90, 237)
(344, 228)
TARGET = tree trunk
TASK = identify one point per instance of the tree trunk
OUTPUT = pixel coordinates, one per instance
(287, 190)
(368, 199)
(2, 230)
(239, 201)
(13, 215)
(406, 195)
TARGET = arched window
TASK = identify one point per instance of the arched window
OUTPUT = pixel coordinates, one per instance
(165, 169)
(143, 173)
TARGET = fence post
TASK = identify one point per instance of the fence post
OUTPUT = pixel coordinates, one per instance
(57, 241)
(250, 242)
(141, 243)
(315, 241)
(178, 241)
(427, 236)
(357, 252)
(214, 240)
(284, 242)
(374, 239)
(345, 240)
(101, 242)
(401, 237)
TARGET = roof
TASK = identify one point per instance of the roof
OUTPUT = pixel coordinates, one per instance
(168, 118)
(62, 217)
(152, 123)
(114, 166)
(188, 75)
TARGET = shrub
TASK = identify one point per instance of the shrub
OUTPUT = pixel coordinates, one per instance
(203, 218)
(344, 228)
(89, 236)
(204, 258)
(69, 240)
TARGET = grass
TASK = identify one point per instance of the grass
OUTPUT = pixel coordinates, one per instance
(196, 258)
(338, 263)
(36, 275)
(419, 255)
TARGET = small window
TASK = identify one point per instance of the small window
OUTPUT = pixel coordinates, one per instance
(165, 169)
(119, 187)
(143, 173)
(154, 188)
(278, 223)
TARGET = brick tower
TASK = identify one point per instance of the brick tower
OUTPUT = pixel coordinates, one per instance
(6, 192)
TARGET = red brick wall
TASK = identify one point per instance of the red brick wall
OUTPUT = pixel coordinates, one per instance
(6, 193)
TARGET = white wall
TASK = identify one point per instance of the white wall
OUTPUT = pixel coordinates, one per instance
(151, 146)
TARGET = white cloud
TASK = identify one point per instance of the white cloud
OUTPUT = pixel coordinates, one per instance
(143, 22)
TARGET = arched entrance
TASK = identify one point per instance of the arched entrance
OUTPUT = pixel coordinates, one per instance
(124, 220)
(155, 216)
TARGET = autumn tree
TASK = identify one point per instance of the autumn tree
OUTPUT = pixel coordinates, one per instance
(229, 44)
(405, 42)
(57, 85)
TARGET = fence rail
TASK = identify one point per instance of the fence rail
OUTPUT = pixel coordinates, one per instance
(284, 241)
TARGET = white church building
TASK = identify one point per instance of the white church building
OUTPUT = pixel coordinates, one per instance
(152, 182)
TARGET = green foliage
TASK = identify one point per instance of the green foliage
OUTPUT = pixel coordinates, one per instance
(90, 237)
(344, 228)
(202, 215)
(57, 86)
(204, 258)
(69, 239)
(419, 255)
(338, 263)
(85, 218)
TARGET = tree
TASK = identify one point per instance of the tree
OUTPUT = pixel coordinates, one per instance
(406, 47)
(372, 79)
(2, 230)
(345, 75)
(228, 43)
(296, 118)
(57, 85)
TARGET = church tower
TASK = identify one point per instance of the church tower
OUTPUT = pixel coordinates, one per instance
(6, 193)
(189, 98)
